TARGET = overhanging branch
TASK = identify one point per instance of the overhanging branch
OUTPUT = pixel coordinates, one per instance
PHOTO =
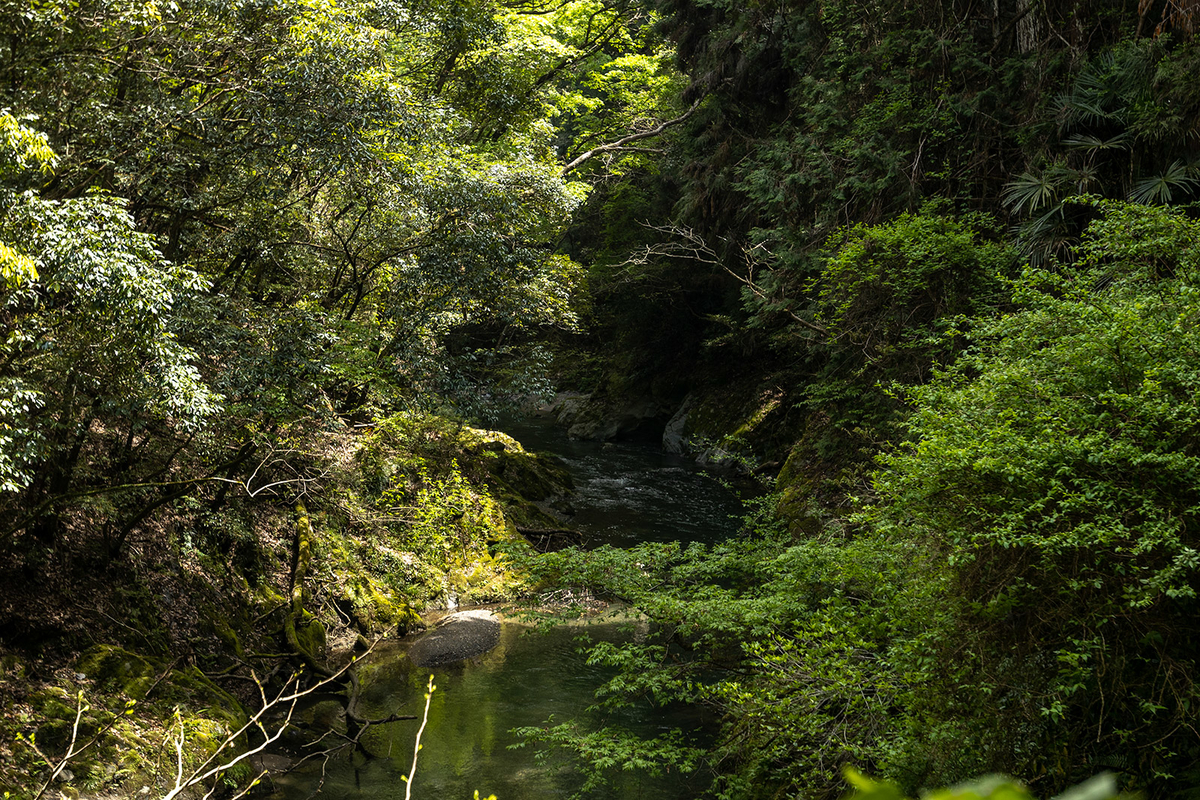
(620, 144)
(684, 242)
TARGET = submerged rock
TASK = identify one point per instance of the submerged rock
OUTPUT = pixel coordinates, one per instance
(456, 637)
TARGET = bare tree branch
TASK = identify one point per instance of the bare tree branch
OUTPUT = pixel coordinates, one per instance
(633, 137)
(683, 242)
(285, 701)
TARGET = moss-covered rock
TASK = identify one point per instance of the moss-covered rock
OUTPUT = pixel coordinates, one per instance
(746, 428)
(813, 484)
(796, 488)
(526, 485)
(225, 632)
(409, 516)
(608, 417)
(115, 669)
(373, 607)
(118, 669)
(531, 476)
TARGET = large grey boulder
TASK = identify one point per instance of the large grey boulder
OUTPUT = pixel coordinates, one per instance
(456, 637)
(602, 419)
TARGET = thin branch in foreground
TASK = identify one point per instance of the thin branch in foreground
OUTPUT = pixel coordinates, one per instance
(408, 779)
(73, 751)
(287, 698)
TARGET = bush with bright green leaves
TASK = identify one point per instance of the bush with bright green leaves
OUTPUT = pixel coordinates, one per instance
(1022, 595)
(1054, 474)
(991, 787)
(885, 295)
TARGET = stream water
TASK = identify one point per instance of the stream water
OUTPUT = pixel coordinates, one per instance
(626, 493)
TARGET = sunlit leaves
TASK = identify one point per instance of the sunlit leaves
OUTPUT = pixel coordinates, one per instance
(881, 285)
(23, 148)
(1056, 467)
(16, 268)
(97, 322)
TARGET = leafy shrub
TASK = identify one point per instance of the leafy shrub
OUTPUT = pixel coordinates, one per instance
(1055, 471)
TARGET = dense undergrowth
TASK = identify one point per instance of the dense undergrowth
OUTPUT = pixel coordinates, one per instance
(1014, 590)
(931, 266)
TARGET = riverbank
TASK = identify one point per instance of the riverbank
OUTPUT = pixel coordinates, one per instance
(110, 665)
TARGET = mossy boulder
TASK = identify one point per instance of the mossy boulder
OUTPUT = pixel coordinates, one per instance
(797, 486)
(745, 428)
(526, 485)
(115, 668)
(220, 627)
(487, 579)
(55, 708)
(408, 620)
(533, 476)
(813, 484)
(611, 417)
(375, 608)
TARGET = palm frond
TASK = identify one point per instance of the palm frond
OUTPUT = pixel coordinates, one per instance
(1160, 189)
(1083, 179)
(1093, 144)
(1031, 192)
(1047, 236)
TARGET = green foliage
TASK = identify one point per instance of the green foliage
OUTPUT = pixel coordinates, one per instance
(886, 296)
(1160, 189)
(784, 639)
(369, 200)
(890, 286)
(1053, 470)
(1022, 595)
(602, 752)
(93, 329)
(269, 222)
(1121, 125)
(21, 149)
(452, 517)
(995, 787)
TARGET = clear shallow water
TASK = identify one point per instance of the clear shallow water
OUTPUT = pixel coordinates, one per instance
(528, 678)
(626, 493)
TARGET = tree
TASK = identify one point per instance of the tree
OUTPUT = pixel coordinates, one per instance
(87, 336)
(334, 179)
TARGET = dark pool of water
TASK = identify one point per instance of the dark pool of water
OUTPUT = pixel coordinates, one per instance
(627, 493)
(631, 492)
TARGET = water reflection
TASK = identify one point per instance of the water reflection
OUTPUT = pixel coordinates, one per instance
(627, 493)
(529, 677)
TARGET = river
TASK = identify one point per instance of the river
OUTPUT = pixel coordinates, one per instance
(626, 493)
